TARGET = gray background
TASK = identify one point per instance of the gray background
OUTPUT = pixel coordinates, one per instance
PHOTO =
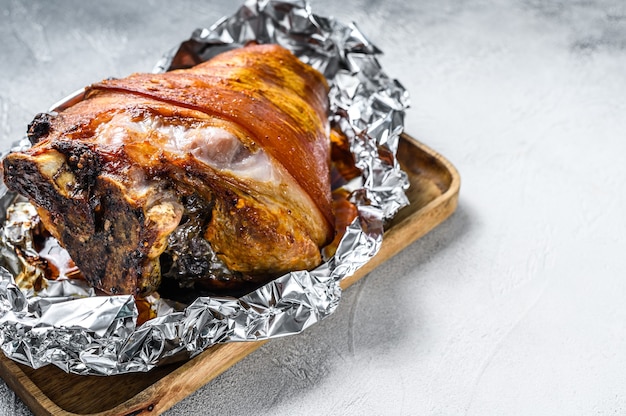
(513, 306)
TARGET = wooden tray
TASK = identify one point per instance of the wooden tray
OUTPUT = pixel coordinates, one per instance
(50, 391)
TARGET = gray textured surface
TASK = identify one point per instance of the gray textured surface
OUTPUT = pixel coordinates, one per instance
(516, 304)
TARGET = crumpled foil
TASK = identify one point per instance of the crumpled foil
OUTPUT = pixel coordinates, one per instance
(62, 322)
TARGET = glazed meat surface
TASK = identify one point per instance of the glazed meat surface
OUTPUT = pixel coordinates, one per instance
(233, 153)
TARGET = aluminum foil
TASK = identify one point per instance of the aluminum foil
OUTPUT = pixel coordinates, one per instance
(64, 323)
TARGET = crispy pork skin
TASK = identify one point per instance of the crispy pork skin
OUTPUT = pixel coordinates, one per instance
(238, 147)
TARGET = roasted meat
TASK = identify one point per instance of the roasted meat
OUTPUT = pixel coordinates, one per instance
(232, 153)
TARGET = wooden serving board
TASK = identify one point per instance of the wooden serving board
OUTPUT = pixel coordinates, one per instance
(50, 391)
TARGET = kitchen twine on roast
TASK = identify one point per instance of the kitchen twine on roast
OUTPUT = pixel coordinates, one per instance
(67, 325)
